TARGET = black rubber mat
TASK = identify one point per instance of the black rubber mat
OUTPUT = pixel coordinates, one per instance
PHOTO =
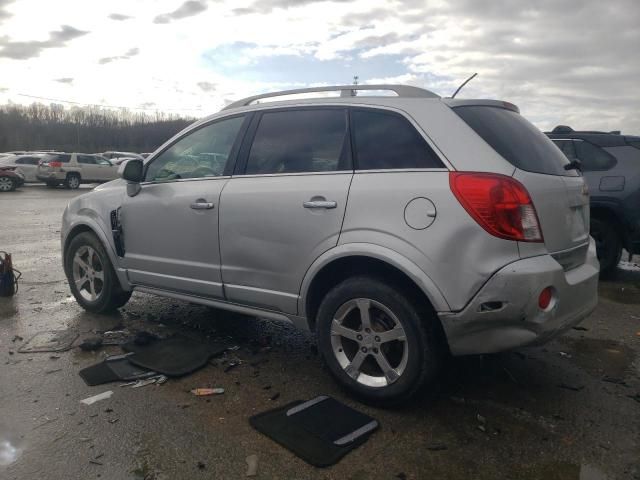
(113, 370)
(320, 431)
(173, 357)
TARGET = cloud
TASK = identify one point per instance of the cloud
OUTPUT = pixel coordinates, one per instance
(119, 17)
(4, 14)
(267, 6)
(67, 80)
(187, 9)
(132, 52)
(207, 86)
(21, 50)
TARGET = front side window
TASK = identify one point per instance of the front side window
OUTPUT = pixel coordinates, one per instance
(593, 158)
(296, 141)
(202, 153)
(385, 140)
(102, 161)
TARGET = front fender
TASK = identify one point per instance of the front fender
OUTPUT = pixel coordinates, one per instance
(419, 277)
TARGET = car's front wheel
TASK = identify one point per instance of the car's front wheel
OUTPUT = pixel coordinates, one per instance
(7, 184)
(377, 343)
(91, 276)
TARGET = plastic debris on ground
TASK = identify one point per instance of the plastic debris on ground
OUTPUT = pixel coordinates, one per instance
(97, 398)
(157, 380)
(252, 465)
(50, 341)
(202, 392)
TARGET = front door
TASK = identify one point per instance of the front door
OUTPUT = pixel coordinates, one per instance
(286, 205)
(171, 226)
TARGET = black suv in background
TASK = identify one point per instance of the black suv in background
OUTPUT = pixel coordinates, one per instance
(610, 163)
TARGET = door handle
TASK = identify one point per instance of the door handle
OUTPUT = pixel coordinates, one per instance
(328, 204)
(202, 205)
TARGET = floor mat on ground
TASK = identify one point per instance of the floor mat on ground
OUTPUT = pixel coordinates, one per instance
(114, 369)
(175, 356)
(51, 341)
(320, 431)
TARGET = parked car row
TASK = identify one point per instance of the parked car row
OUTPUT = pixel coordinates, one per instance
(59, 168)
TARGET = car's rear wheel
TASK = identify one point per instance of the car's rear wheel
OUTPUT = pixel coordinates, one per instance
(608, 245)
(377, 343)
(72, 181)
(91, 276)
(7, 184)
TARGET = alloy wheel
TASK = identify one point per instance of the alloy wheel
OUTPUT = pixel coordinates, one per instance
(88, 273)
(369, 342)
(6, 184)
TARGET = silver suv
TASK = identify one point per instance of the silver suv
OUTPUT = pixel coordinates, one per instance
(397, 228)
(72, 169)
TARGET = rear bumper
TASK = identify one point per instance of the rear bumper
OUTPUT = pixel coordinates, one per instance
(518, 321)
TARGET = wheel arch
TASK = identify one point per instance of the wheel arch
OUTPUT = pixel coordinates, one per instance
(88, 225)
(609, 214)
(353, 259)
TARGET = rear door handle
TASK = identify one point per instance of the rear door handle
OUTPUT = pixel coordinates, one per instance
(328, 204)
(202, 205)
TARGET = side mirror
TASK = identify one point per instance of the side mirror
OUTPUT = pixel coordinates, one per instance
(131, 170)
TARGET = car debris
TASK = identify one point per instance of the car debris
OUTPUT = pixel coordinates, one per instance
(91, 344)
(97, 398)
(252, 465)
(202, 392)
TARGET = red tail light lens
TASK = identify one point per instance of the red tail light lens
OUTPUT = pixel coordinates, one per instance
(500, 205)
(55, 164)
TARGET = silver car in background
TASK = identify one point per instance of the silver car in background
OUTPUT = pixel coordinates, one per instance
(398, 228)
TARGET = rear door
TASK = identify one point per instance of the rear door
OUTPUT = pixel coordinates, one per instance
(88, 167)
(285, 205)
(559, 195)
(105, 171)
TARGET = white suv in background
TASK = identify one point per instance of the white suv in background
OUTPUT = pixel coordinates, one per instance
(72, 169)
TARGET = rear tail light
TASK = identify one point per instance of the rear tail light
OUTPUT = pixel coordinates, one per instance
(55, 164)
(500, 204)
(544, 300)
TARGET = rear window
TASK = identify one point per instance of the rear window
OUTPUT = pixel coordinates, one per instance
(515, 139)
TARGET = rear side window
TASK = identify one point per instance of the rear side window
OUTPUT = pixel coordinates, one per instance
(567, 148)
(515, 139)
(385, 140)
(60, 157)
(297, 141)
(593, 158)
(86, 159)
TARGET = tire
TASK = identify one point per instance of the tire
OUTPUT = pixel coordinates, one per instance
(72, 181)
(7, 184)
(387, 307)
(92, 262)
(608, 245)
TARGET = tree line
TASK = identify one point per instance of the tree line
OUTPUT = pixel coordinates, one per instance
(84, 129)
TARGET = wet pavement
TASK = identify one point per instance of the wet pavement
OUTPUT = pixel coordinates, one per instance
(567, 410)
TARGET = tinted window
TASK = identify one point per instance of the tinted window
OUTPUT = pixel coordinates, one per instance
(101, 160)
(592, 157)
(202, 153)
(86, 159)
(386, 140)
(300, 141)
(61, 157)
(515, 139)
(32, 160)
(567, 148)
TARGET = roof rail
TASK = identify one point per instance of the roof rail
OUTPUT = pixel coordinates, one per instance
(405, 91)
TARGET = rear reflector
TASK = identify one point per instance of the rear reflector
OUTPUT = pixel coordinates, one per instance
(500, 204)
(545, 298)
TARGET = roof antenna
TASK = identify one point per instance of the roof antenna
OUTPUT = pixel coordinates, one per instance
(463, 84)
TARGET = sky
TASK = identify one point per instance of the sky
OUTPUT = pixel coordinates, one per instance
(570, 62)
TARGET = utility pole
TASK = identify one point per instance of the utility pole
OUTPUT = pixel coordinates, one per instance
(355, 82)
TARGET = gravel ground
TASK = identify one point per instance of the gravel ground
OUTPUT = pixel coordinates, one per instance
(568, 410)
